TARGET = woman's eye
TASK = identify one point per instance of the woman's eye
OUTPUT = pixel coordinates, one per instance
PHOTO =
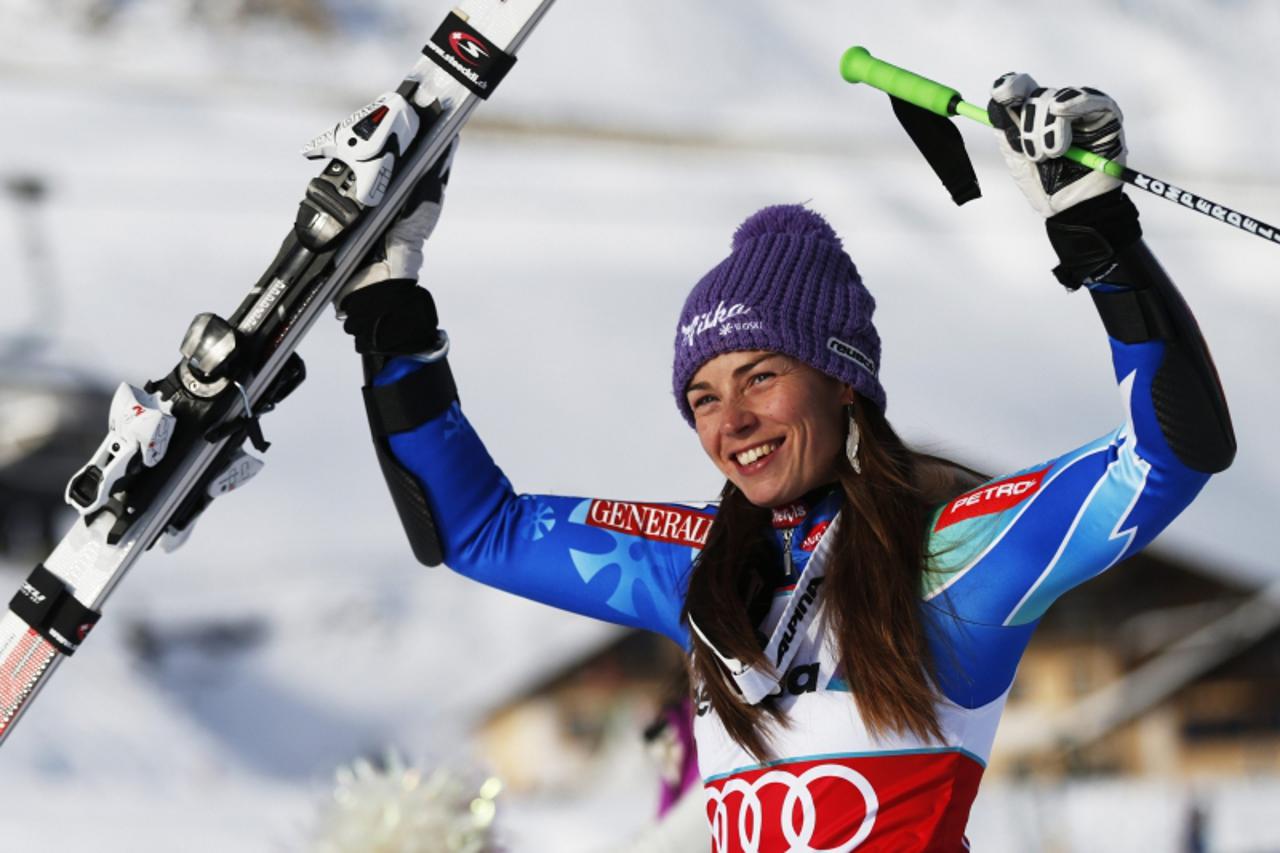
(701, 401)
(757, 378)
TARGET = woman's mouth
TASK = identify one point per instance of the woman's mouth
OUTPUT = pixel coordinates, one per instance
(755, 458)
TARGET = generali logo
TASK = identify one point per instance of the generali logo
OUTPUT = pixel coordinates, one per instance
(993, 497)
(652, 521)
(467, 47)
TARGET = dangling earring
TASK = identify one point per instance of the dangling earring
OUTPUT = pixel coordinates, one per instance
(851, 443)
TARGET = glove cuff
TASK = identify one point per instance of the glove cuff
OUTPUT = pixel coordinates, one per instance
(395, 317)
(1089, 237)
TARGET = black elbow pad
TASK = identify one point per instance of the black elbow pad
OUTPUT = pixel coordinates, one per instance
(423, 395)
(1138, 302)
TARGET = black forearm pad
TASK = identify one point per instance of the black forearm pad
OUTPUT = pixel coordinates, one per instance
(1186, 392)
(411, 505)
(423, 395)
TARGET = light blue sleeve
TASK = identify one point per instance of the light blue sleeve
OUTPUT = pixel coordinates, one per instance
(1007, 550)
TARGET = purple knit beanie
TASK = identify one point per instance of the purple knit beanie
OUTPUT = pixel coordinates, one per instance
(787, 286)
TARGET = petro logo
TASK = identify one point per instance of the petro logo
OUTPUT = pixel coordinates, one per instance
(825, 782)
(467, 48)
(991, 498)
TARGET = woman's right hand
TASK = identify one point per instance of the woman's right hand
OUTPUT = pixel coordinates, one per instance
(392, 317)
(382, 306)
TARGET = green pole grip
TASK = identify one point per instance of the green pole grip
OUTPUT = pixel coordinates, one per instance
(859, 66)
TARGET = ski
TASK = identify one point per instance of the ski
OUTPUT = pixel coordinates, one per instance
(178, 442)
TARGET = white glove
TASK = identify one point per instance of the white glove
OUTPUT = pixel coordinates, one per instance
(1035, 126)
(399, 255)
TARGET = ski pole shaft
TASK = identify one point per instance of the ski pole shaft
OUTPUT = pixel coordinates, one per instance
(859, 66)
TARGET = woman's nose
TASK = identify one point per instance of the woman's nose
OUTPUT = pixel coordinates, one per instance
(737, 418)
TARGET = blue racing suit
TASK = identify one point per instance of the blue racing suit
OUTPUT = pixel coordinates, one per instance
(1003, 552)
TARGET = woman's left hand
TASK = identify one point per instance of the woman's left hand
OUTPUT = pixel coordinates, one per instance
(1035, 126)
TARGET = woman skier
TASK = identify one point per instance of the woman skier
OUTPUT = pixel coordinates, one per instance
(854, 611)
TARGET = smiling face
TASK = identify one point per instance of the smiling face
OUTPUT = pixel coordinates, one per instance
(772, 424)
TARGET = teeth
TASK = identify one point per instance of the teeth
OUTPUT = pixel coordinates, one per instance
(746, 457)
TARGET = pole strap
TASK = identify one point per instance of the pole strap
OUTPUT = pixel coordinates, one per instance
(940, 142)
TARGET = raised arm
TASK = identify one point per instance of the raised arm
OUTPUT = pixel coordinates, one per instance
(1007, 550)
(617, 561)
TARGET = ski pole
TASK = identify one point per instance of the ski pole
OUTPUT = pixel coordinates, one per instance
(859, 66)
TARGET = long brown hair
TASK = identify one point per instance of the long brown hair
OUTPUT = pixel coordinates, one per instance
(872, 592)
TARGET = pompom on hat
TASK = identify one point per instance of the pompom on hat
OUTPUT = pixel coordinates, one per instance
(787, 286)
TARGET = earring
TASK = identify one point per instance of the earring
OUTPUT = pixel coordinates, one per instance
(851, 443)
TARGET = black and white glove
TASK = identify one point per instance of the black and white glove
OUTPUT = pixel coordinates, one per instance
(382, 306)
(1035, 126)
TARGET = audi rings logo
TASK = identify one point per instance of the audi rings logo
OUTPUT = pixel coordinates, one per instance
(751, 818)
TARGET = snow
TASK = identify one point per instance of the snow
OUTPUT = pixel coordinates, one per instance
(603, 179)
